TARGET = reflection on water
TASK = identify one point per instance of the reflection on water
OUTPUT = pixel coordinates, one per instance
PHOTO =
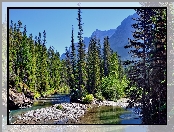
(111, 115)
(103, 115)
(132, 117)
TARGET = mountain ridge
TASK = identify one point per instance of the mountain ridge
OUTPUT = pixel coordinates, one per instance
(118, 37)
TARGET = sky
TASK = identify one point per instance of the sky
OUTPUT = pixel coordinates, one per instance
(58, 23)
(65, 4)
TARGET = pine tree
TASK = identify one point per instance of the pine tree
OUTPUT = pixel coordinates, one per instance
(57, 71)
(81, 77)
(73, 61)
(146, 31)
(64, 77)
(93, 67)
(27, 58)
(140, 50)
(19, 69)
(89, 68)
(44, 67)
(38, 49)
(106, 56)
(31, 63)
(113, 85)
(100, 59)
(12, 52)
(51, 66)
(32, 76)
(69, 69)
(159, 68)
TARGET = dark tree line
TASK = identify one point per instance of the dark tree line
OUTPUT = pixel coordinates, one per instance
(148, 71)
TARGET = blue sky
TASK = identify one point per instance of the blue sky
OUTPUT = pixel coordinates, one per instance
(58, 22)
(58, 35)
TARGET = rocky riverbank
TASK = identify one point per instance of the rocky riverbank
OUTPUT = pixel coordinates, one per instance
(18, 100)
(64, 113)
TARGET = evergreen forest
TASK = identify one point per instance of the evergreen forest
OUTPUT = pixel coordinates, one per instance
(98, 72)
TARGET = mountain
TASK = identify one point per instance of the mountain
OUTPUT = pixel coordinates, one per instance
(118, 37)
(99, 34)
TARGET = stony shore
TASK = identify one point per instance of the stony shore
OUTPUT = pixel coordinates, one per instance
(18, 100)
(69, 114)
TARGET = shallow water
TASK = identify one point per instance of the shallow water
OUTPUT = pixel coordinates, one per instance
(97, 115)
(111, 115)
(43, 103)
(103, 115)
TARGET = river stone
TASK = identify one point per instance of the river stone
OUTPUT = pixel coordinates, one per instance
(70, 112)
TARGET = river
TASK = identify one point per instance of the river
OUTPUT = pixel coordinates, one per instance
(127, 117)
(42, 103)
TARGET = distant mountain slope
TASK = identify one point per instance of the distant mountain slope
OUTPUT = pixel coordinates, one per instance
(99, 34)
(118, 37)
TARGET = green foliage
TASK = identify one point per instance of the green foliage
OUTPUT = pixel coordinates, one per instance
(41, 69)
(99, 96)
(108, 88)
(81, 56)
(93, 67)
(84, 93)
(113, 86)
(64, 89)
(106, 56)
(84, 74)
(19, 89)
(50, 92)
(88, 98)
(31, 63)
(60, 107)
(17, 80)
(37, 95)
(130, 90)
